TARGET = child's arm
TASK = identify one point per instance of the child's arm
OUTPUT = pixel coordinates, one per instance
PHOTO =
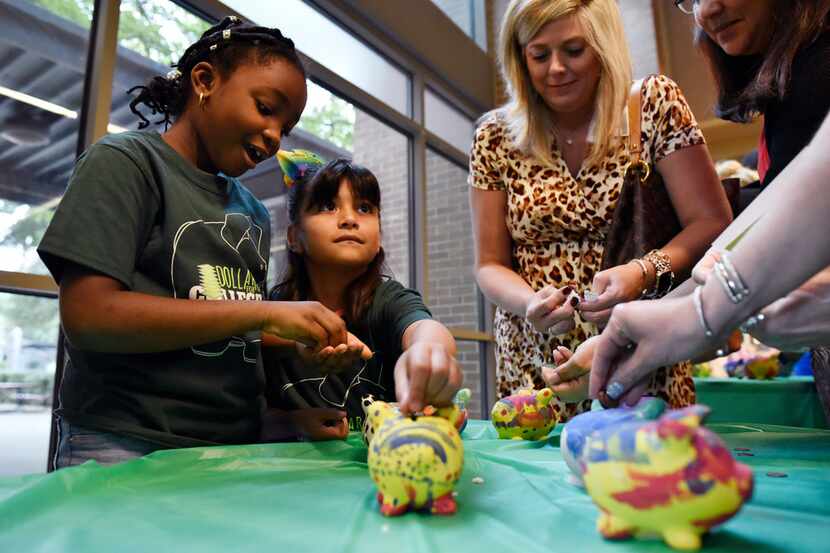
(427, 372)
(100, 314)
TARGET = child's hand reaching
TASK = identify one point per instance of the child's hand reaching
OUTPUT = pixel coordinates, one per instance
(570, 379)
(335, 359)
(426, 374)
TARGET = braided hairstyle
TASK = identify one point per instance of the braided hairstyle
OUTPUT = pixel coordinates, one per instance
(225, 46)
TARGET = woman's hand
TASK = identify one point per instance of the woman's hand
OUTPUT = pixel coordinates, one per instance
(552, 310)
(613, 286)
(640, 337)
(800, 319)
(704, 267)
(426, 374)
(335, 359)
(571, 377)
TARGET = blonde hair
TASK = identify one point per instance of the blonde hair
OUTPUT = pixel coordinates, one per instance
(528, 118)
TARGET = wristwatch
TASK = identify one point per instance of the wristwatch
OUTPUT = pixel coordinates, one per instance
(663, 275)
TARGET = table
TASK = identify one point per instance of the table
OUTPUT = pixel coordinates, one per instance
(318, 497)
(791, 401)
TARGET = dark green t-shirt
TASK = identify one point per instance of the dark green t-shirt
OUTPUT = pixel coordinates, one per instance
(294, 386)
(135, 210)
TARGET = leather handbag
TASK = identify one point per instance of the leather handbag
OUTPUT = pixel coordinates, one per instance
(644, 218)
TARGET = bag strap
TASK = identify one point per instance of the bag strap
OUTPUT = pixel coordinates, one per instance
(635, 145)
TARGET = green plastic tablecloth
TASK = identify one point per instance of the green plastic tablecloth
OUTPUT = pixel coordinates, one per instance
(318, 497)
(786, 401)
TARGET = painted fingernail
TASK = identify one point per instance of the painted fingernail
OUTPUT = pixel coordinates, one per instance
(566, 291)
(574, 301)
(615, 390)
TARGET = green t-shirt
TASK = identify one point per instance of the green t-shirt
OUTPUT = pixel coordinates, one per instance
(294, 386)
(136, 211)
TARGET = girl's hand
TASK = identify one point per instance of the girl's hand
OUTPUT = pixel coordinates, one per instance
(800, 319)
(335, 359)
(304, 424)
(613, 286)
(552, 310)
(426, 374)
(307, 322)
(569, 380)
(320, 424)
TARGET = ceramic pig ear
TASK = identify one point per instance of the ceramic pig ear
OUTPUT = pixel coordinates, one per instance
(682, 423)
(451, 413)
(544, 396)
(367, 402)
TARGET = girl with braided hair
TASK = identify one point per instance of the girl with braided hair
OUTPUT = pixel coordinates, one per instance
(151, 227)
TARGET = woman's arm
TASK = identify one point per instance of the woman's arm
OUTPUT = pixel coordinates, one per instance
(99, 313)
(703, 210)
(700, 202)
(546, 309)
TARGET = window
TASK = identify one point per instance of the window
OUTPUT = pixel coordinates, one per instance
(443, 120)
(330, 45)
(42, 51)
(469, 16)
(453, 295)
(28, 344)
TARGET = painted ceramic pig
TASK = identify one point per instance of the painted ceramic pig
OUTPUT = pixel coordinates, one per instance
(578, 429)
(671, 477)
(526, 414)
(415, 461)
(461, 398)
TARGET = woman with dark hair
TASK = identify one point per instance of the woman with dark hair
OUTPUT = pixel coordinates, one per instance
(770, 58)
(335, 257)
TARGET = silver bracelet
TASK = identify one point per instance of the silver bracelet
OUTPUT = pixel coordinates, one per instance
(752, 322)
(730, 279)
(699, 308)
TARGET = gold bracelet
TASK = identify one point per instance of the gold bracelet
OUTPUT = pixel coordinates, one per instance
(644, 269)
(663, 275)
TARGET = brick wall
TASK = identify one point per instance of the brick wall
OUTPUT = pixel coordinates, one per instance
(451, 285)
(384, 151)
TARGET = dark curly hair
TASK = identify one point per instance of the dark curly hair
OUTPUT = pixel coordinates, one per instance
(313, 191)
(226, 45)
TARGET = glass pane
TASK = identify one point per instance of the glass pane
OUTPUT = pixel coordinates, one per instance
(28, 340)
(469, 16)
(152, 34)
(330, 45)
(453, 295)
(444, 120)
(43, 47)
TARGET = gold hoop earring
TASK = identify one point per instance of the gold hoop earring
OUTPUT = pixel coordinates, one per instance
(202, 100)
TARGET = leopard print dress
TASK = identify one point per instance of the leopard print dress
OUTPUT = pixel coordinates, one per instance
(558, 224)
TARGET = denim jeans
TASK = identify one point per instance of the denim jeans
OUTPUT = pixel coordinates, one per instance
(77, 444)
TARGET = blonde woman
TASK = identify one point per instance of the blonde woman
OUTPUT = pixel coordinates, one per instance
(546, 170)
